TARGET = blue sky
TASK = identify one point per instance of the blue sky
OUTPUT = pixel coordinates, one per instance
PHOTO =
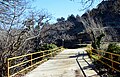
(61, 8)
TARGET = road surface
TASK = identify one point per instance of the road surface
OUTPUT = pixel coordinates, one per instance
(67, 63)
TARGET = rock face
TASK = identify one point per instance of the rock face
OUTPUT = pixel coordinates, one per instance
(68, 31)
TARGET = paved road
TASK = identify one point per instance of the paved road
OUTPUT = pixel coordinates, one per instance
(65, 64)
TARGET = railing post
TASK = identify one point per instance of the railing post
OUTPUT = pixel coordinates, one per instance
(8, 68)
(43, 55)
(51, 53)
(55, 52)
(112, 62)
(60, 50)
(31, 59)
(90, 52)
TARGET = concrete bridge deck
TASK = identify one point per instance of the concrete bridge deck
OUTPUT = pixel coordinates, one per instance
(68, 63)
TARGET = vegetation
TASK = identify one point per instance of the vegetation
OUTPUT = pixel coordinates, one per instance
(100, 20)
(86, 28)
(103, 68)
(48, 46)
(22, 29)
(113, 48)
(64, 31)
(97, 42)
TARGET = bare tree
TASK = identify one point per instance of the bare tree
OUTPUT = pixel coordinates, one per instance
(11, 12)
(94, 27)
(17, 32)
(85, 3)
(90, 24)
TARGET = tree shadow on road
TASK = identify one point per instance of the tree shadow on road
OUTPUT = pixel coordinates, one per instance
(90, 66)
(78, 55)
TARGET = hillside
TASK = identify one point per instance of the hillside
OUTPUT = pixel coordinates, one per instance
(63, 30)
(107, 14)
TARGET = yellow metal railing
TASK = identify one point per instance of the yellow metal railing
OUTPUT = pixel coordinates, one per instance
(99, 54)
(42, 56)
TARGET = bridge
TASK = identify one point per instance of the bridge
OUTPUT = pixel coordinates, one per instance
(58, 63)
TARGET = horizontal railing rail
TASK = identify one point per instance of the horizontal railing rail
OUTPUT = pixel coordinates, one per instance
(41, 55)
(100, 54)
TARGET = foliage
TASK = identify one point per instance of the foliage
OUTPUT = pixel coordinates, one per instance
(48, 46)
(113, 48)
(107, 11)
(94, 45)
(99, 38)
(71, 18)
(63, 29)
(61, 19)
(97, 42)
(104, 14)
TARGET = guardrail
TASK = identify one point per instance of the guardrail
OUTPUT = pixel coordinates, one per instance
(32, 60)
(109, 60)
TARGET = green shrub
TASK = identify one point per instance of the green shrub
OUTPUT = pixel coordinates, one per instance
(113, 48)
(97, 41)
(48, 46)
(99, 38)
(94, 45)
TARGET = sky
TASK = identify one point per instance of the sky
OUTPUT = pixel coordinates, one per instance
(61, 8)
